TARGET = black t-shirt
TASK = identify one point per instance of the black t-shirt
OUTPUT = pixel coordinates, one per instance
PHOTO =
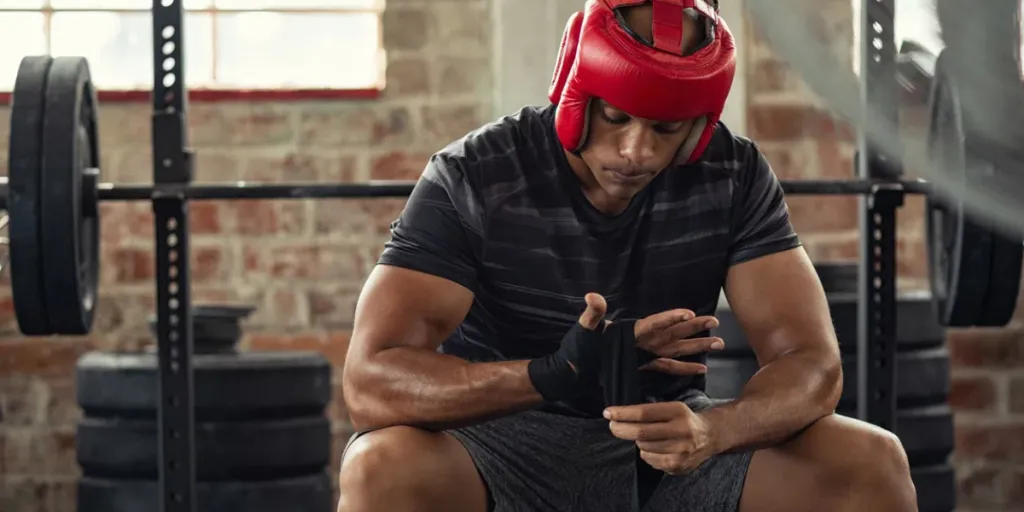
(501, 212)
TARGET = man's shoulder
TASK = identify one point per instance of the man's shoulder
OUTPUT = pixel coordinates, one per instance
(495, 153)
(731, 151)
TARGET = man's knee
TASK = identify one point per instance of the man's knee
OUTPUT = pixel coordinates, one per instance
(381, 463)
(870, 457)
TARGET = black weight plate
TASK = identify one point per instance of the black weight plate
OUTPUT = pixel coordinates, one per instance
(960, 250)
(926, 432)
(916, 327)
(312, 493)
(70, 238)
(115, 448)
(248, 385)
(1004, 281)
(25, 153)
(922, 377)
(936, 488)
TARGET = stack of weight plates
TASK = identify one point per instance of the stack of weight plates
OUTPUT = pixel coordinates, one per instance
(924, 418)
(261, 437)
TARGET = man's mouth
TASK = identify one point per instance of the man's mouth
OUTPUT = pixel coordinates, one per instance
(627, 176)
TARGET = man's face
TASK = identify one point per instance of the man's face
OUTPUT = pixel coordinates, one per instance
(625, 153)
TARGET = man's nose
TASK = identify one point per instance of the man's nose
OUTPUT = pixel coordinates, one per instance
(637, 144)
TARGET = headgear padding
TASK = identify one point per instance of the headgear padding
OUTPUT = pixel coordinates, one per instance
(599, 58)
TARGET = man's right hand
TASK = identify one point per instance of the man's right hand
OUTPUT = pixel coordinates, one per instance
(666, 335)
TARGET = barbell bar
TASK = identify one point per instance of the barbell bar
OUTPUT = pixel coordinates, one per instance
(402, 188)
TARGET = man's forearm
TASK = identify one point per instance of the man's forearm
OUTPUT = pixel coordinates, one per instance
(785, 396)
(415, 387)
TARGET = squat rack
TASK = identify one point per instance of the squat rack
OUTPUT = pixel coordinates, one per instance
(881, 197)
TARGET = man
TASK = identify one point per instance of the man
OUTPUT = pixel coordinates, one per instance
(476, 384)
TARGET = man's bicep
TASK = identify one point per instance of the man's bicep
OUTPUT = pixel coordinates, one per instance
(761, 223)
(780, 305)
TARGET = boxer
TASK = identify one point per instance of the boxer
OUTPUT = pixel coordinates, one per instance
(474, 372)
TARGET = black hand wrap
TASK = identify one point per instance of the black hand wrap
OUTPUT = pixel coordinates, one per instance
(554, 376)
(620, 379)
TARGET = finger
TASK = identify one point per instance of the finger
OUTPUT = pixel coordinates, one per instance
(664, 431)
(669, 463)
(668, 446)
(661, 321)
(689, 347)
(596, 309)
(646, 413)
(673, 367)
(677, 331)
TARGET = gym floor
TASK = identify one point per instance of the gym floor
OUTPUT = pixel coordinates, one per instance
(301, 263)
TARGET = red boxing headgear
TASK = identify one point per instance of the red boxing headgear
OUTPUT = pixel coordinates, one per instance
(599, 58)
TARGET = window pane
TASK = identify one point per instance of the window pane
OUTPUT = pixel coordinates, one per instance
(21, 4)
(265, 49)
(21, 34)
(117, 4)
(119, 46)
(298, 4)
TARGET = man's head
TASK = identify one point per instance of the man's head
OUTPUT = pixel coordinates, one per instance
(640, 84)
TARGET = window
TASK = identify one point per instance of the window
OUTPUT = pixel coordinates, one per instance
(230, 45)
(915, 21)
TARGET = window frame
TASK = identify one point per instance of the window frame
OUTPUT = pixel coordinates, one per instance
(108, 95)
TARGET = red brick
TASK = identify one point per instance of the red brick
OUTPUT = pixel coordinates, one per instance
(1015, 486)
(18, 494)
(982, 486)
(407, 77)
(61, 403)
(267, 217)
(398, 165)
(313, 341)
(350, 218)
(789, 161)
(991, 442)
(769, 76)
(451, 122)
(1017, 395)
(461, 27)
(205, 217)
(332, 306)
(124, 125)
(126, 222)
(216, 166)
(285, 308)
(33, 451)
(814, 214)
(343, 263)
(835, 159)
(63, 494)
(300, 167)
(129, 265)
(48, 357)
(972, 393)
(240, 124)
(986, 348)
(21, 402)
(355, 127)
(210, 263)
(780, 122)
(337, 411)
(130, 166)
(8, 322)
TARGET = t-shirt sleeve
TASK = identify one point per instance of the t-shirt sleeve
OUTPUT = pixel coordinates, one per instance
(761, 224)
(438, 231)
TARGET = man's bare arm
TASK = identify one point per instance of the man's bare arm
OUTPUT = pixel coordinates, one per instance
(781, 306)
(393, 374)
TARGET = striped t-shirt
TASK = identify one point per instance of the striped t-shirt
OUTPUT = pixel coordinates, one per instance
(501, 212)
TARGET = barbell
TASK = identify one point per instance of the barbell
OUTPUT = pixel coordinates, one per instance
(53, 192)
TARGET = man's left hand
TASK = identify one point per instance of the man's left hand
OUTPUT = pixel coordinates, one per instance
(671, 437)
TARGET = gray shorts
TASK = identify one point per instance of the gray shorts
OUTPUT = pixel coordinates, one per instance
(538, 462)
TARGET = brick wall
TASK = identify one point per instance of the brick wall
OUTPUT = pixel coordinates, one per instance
(802, 141)
(303, 262)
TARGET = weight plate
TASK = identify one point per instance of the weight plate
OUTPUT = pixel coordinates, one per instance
(936, 488)
(926, 432)
(116, 448)
(960, 251)
(1004, 281)
(312, 493)
(248, 385)
(916, 326)
(70, 237)
(922, 377)
(25, 153)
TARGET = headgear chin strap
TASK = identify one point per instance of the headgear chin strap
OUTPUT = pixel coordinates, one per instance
(600, 58)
